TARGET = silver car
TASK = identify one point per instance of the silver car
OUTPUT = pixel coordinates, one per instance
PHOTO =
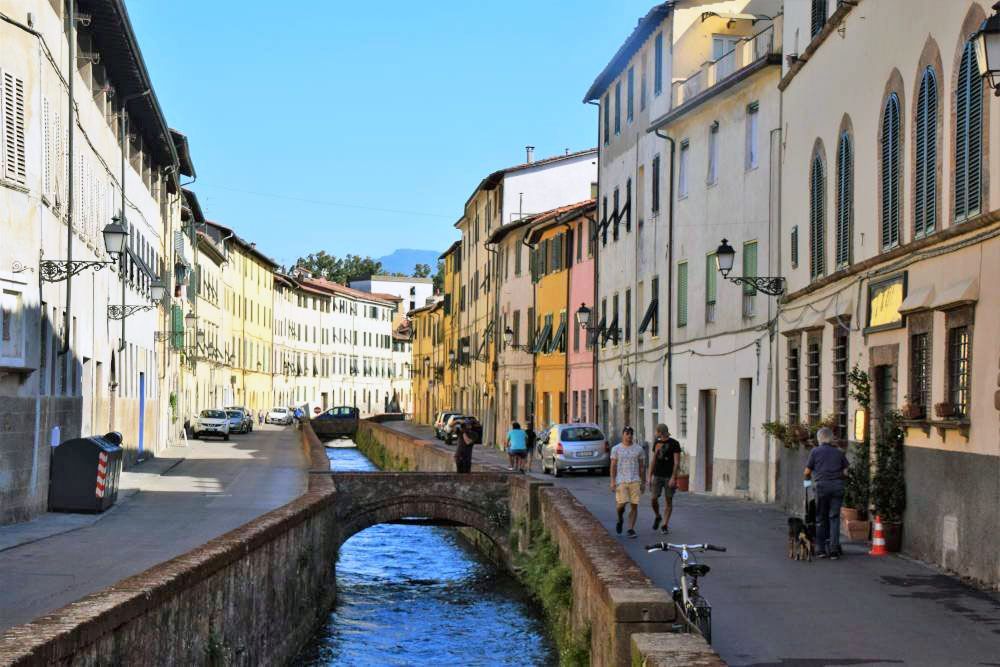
(567, 447)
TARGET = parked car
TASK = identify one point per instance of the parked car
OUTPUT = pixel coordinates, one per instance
(448, 431)
(279, 415)
(566, 447)
(247, 418)
(442, 419)
(338, 422)
(237, 423)
(211, 422)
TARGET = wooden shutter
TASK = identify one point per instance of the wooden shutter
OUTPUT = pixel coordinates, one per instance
(617, 214)
(682, 294)
(795, 246)
(749, 265)
(13, 128)
(817, 218)
(711, 286)
(968, 136)
(627, 209)
(818, 17)
(845, 198)
(925, 198)
(890, 173)
(46, 149)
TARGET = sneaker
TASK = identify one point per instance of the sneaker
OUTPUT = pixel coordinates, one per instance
(631, 534)
(656, 522)
(821, 554)
(665, 530)
(618, 527)
(835, 556)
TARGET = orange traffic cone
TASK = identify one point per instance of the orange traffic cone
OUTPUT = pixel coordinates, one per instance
(878, 539)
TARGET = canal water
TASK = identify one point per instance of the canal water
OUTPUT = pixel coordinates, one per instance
(417, 595)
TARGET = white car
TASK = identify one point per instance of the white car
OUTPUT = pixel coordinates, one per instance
(279, 416)
(211, 422)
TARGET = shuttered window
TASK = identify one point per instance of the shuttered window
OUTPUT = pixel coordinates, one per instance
(658, 64)
(607, 119)
(617, 213)
(630, 103)
(627, 208)
(618, 107)
(795, 246)
(891, 156)
(845, 199)
(655, 185)
(711, 287)
(968, 136)
(13, 128)
(818, 18)
(817, 218)
(749, 265)
(682, 294)
(925, 183)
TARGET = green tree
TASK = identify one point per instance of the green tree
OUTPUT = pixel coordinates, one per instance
(339, 270)
(439, 277)
(422, 271)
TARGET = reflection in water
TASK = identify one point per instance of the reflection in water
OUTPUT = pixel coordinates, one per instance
(413, 595)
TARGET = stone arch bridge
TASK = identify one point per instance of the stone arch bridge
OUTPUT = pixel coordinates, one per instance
(475, 500)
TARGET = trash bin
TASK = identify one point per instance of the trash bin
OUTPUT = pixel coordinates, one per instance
(84, 474)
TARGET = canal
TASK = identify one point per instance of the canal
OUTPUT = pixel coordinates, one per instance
(415, 595)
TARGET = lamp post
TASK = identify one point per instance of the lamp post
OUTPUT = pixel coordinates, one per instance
(986, 42)
(57, 270)
(725, 256)
(508, 339)
(120, 311)
(583, 314)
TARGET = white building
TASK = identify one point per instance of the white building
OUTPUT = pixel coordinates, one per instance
(414, 292)
(67, 367)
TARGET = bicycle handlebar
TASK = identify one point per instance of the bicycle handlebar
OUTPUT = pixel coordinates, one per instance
(666, 546)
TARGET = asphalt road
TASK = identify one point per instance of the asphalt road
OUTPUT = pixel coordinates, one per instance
(770, 611)
(208, 489)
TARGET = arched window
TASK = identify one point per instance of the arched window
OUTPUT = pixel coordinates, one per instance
(817, 217)
(890, 172)
(968, 136)
(925, 183)
(845, 198)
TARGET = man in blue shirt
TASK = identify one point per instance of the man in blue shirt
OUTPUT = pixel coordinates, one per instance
(827, 468)
(517, 447)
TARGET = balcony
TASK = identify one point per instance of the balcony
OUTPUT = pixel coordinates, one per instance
(764, 46)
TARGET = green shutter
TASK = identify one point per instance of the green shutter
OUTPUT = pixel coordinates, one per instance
(176, 327)
(682, 294)
(749, 265)
(817, 218)
(925, 195)
(890, 173)
(968, 136)
(845, 198)
(711, 270)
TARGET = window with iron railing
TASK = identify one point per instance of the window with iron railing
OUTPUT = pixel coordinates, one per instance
(813, 377)
(794, 374)
(840, 388)
(958, 370)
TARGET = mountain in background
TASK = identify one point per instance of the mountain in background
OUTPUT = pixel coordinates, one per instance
(404, 259)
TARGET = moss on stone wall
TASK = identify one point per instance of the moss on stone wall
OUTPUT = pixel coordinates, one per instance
(378, 454)
(551, 583)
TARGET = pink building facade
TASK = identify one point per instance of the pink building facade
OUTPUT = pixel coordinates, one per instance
(579, 351)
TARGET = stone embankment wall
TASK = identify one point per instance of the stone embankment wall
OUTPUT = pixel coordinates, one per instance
(253, 596)
(612, 599)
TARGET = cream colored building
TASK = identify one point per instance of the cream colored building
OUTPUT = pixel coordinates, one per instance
(890, 213)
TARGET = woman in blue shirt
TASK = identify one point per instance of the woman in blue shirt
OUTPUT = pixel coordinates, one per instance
(517, 447)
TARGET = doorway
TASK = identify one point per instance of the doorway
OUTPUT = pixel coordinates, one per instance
(142, 411)
(706, 433)
(743, 436)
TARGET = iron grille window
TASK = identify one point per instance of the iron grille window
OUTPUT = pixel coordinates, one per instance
(845, 198)
(920, 370)
(958, 370)
(968, 136)
(817, 218)
(925, 185)
(794, 375)
(818, 17)
(840, 357)
(891, 156)
(682, 410)
(813, 375)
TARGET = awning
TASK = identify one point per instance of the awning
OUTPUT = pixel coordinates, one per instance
(917, 299)
(956, 294)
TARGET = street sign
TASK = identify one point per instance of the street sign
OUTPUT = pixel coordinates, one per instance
(316, 410)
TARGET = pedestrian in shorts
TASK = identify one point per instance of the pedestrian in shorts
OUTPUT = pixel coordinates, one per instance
(666, 460)
(517, 448)
(628, 479)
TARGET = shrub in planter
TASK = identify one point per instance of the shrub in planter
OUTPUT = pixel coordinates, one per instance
(857, 486)
(888, 482)
(912, 410)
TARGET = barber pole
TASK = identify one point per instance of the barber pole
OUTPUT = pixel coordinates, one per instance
(102, 473)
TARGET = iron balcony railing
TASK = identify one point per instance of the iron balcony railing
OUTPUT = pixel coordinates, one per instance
(747, 52)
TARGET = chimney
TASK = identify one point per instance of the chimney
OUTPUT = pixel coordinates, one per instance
(530, 153)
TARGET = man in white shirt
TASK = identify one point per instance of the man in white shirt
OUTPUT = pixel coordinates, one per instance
(628, 478)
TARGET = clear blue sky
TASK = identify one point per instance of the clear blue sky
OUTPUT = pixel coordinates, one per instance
(362, 127)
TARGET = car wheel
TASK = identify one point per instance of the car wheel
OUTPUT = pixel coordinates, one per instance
(225, 436)
(555, 470)
(196, 434)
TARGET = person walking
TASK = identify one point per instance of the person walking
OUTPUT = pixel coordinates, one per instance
(469, 434)
(666, 460)
(628, 478)
(517, 447)
(827, 468)
(532, 440)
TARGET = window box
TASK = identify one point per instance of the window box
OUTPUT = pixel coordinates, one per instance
(944, 410)
(944, 425)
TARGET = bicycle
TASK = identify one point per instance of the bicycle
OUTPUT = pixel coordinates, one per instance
(697, 612)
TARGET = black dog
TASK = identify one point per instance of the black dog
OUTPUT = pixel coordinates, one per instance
(800, 539)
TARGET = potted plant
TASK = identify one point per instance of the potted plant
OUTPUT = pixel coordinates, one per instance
(913, 410)
(944, 410)
(888, 482)
(857, 493)
(683, 476)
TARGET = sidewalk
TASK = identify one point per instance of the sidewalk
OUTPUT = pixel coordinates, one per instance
(768, 610)
(166, 506)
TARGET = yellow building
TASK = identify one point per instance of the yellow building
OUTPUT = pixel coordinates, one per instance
(452, 258)
(248, 286)
(550, 274)
(422, 326)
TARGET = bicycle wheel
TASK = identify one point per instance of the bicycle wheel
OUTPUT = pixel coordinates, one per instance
(700, 615)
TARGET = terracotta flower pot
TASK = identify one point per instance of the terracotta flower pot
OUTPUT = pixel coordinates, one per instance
(893, 532)
(682, 482)
(855, 530)
(911, 411)
(849, 514)
(944, 410)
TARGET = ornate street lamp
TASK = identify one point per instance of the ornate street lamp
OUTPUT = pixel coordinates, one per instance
(120, 311)
(583, 317)
(583, 321)
(725, 255)
(986, 41)
(57, 270)
(508, 339)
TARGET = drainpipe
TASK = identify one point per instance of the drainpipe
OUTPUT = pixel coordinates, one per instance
(71, 126)
(670, 276)
(597, 267)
